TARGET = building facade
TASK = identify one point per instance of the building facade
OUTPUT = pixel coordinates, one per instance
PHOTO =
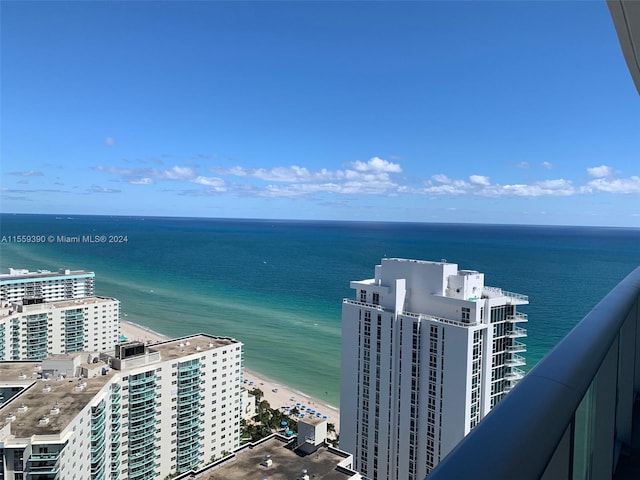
(427, 351)
(137, 413)
(20, 284)
(33, 331)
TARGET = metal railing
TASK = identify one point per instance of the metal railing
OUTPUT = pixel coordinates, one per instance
(571, 415)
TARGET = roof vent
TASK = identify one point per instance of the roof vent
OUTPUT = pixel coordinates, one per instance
(304, 476)
(22, 376)
(55, 410)
(267, 462)
(181, 344)
(44, 420)
(210, 345)
(46, 388)
(23, 408)
(80, 386)
(10, 417)
(198, 348)
(187, 343)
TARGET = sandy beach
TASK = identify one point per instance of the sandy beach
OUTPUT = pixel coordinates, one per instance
(277, 394)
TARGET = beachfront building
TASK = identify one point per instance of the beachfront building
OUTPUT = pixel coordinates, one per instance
(33, 329)
(135, 413)
(48, 286)
(427, 351)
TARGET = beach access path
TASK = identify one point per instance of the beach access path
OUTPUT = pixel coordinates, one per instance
(277, 394)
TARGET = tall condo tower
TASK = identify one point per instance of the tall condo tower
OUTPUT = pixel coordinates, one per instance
(427, 351)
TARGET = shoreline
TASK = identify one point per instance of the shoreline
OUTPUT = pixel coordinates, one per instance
(276, 393)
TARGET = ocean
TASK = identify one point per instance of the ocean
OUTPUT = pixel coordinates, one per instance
(277, 286)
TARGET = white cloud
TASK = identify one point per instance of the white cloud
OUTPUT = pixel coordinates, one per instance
(615, 185)
(177, 173)
(109, 141)
(98, 189)
(480, 185)
(142, 181)
(27, 173)
(599, 172)
(479, 180)
(373, 177)
(293, 173)
(216, 183)
(376, 164)
(523, 165)
(547, 165)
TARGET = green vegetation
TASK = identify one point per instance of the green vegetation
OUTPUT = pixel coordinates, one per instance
(266, 421)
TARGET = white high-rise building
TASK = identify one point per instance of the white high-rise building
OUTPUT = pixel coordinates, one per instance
(141, 412)
(427, 351)
(48, 286)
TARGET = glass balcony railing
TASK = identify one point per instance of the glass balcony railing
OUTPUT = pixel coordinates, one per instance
(517, 332)
(515, 360)
(517, 317)
(571, 416)
(517, 347)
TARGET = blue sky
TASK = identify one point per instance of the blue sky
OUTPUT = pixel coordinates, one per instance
(493, 112)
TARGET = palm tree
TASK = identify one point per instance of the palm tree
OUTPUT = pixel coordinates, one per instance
(256, 392)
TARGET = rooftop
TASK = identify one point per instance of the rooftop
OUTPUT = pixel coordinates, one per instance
(81, 302)
(181, 347)
(287, 463)
(40, 396)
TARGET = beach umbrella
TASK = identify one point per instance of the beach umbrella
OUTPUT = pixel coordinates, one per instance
(283, 423)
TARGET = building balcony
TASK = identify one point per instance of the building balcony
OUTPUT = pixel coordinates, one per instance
(143, 381)
(512, 298)
(39, 473)
(191, 423)
(44, 457)
(514, 375)
(182, 368)
(142, 397)
(515, 360)
(517, 332)
(517, 317)
(516, 347)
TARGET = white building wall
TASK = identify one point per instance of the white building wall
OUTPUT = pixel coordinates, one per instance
(431, 382)
(52, 287)
(101, 327)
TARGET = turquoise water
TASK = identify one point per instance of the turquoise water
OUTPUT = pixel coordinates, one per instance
(277, 286)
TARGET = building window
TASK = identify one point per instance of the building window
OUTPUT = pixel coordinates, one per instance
(375, 298)
(363, 296)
